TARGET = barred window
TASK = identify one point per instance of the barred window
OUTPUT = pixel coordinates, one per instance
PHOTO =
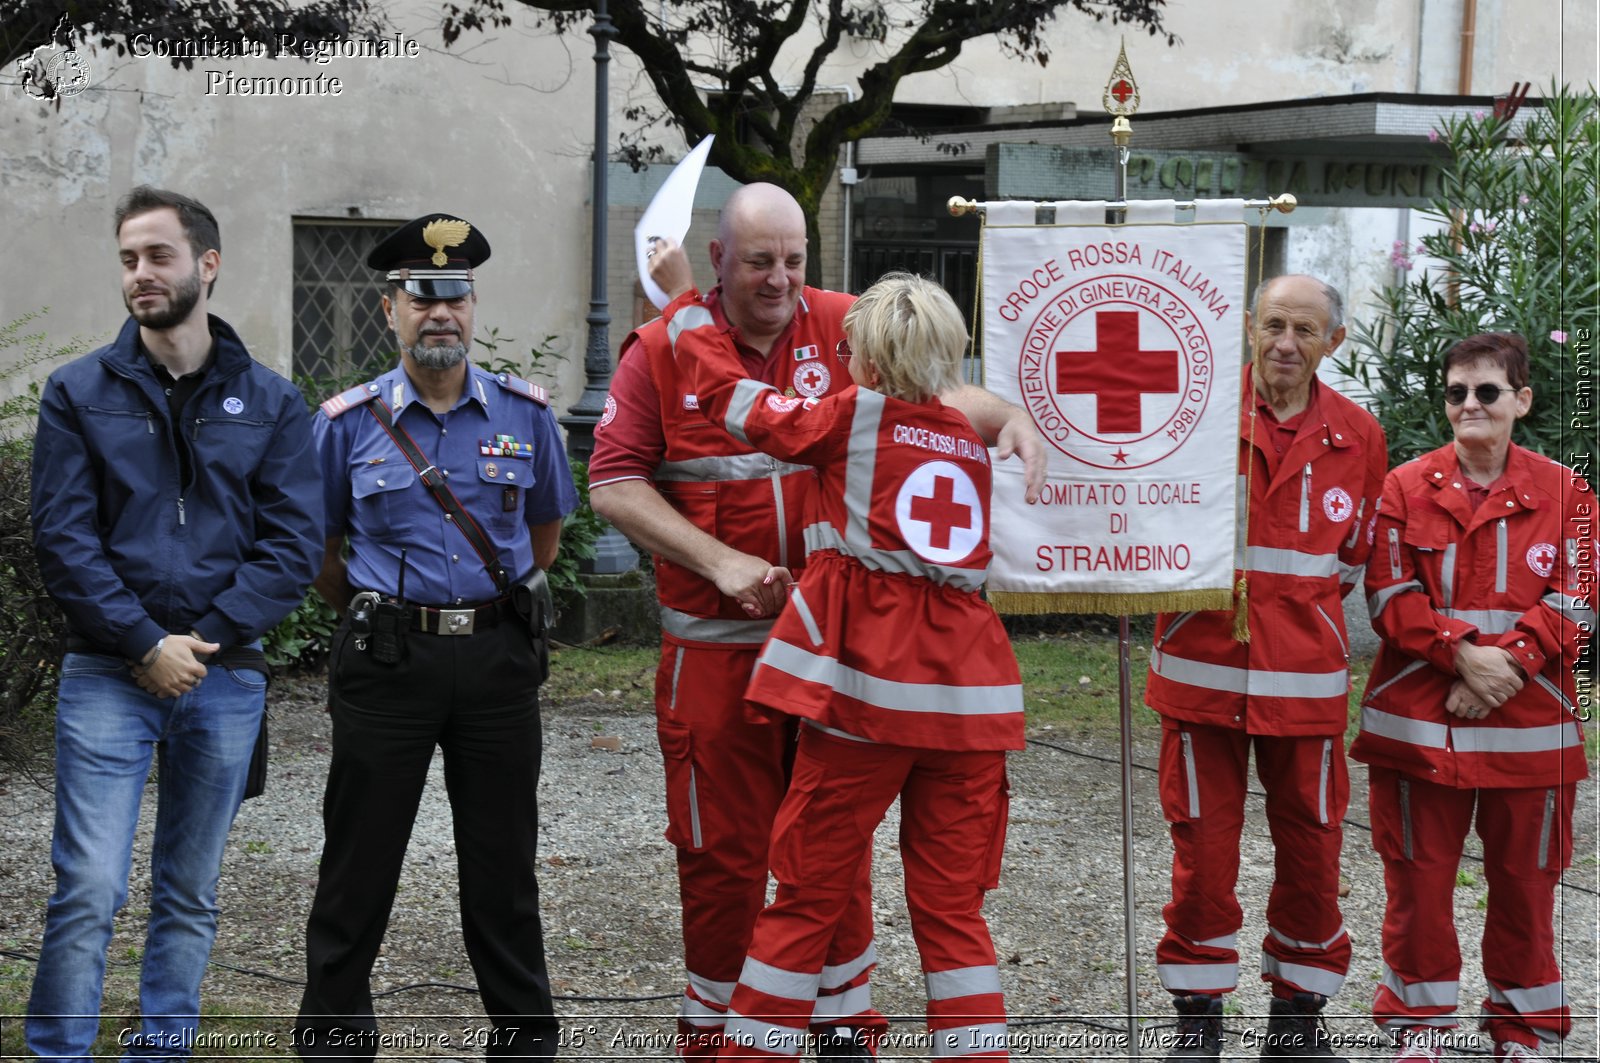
(339, 329)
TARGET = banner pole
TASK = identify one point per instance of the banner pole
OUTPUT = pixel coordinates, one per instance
(1121, 101)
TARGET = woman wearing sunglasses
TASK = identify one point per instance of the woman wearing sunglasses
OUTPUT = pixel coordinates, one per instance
(1479, 585)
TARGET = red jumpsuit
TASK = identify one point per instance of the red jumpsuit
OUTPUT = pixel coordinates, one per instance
(1516, 571)
(907, 683)
(726, 770)
(1312, 488)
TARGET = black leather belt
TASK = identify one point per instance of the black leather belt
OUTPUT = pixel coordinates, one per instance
(465, 620)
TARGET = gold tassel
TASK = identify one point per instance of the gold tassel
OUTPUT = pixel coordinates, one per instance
(1241, 609)
(1037, 603)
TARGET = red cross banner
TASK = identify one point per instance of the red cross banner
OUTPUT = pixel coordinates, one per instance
(1124, 343)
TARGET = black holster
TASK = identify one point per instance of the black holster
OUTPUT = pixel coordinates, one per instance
(532, 602)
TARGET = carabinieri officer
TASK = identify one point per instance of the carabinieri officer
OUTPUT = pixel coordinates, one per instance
(449, 484)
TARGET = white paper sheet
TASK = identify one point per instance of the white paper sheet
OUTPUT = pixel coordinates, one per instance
(668, 214)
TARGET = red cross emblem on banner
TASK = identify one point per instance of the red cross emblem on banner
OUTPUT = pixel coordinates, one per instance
(1117, 372)
(941, 512)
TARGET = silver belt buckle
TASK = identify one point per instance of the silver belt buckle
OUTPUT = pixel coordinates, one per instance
(457, 621)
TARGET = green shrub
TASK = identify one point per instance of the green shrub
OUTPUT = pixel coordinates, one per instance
(30, 653)
(1518, 247)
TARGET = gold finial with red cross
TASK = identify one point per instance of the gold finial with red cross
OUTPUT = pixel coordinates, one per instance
(1122, 92)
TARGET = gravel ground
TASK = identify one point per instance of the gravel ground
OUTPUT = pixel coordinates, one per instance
(609, 898)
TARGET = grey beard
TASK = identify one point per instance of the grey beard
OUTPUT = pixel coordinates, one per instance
(438, 356)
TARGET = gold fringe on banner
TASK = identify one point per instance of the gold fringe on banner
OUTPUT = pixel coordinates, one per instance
(1032, 603)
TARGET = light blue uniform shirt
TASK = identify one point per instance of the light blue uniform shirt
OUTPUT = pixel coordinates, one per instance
(376, 500)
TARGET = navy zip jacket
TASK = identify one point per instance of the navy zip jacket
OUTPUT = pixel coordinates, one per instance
(128, 551)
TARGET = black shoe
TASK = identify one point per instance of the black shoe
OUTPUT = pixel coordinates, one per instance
(843, 1042)
(1295, 1031)
(1199, 1033)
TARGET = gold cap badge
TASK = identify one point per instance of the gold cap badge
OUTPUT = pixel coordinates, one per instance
(442, 233)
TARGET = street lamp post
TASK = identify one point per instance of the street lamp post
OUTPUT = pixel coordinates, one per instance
(613, 553)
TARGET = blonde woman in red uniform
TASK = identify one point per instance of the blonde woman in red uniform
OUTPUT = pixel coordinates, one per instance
(902, 674)
(1480, 584)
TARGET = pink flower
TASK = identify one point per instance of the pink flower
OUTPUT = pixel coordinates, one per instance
(1558, 336)
(1398, 257)
(1488, 225)
(1474, 228)
(1433, 136)
(1420, 250)
(1479, 115)
(1523, 199)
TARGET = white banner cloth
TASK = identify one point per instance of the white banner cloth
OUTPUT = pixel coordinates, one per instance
(1124, 344)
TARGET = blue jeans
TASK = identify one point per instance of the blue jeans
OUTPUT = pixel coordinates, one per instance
(106, 730)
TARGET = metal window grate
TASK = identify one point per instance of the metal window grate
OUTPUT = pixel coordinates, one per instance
(339, 329)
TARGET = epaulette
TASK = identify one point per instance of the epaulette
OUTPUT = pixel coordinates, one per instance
(526, 388)
(349, 400)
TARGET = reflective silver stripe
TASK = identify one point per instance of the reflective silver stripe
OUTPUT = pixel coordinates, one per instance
(860, 466)
(782, 519)
(1401, 1022)
(1285, 939)
(847, 736)
(718, 468)
(1544, 739)
(1555, 692)
(838, 974)
(1577, 610)
(1488, 621)
(1403, 728)
(1544, 828)
(746, 394)
(698, 1014)
(1447, 576)
(709, 991)
(714, 629)
(1281, 562)
(1549, 997)
(695, 837)
(1401, 674)
(1190, 775)
(1194, 977)
(1421, 994)
(1305, 499)
(1251, 681)
(687, 319)
(1322, 793)
(1172, 628)
(1311, 979)
(1226, 941)
(777, 982)
(1350, 575)
(1376, 602)
(831, 1007)
(803, 610)
(753, 1033)
(1500, 556)
(824, 536)
(888, 693)
(1355, 532)
(969, 1040)
(677, 670)
(1241, 509)
(1344, 648)
(962, 982)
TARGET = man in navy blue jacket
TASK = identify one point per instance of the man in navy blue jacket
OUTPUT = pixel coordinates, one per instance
(177, 514)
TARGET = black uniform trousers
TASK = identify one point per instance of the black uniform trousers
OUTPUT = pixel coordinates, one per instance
(476, 697)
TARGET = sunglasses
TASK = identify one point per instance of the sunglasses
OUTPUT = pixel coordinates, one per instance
(843, 352)
(1487, 394)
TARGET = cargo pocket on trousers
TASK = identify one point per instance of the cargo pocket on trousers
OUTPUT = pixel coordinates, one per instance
(997, 840)
(683, 808)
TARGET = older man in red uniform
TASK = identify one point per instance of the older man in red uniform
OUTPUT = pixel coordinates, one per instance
(1311, 464)
(716, 514)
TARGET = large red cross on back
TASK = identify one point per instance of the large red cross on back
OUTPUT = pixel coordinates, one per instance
(941, 512)
(1117, 373)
